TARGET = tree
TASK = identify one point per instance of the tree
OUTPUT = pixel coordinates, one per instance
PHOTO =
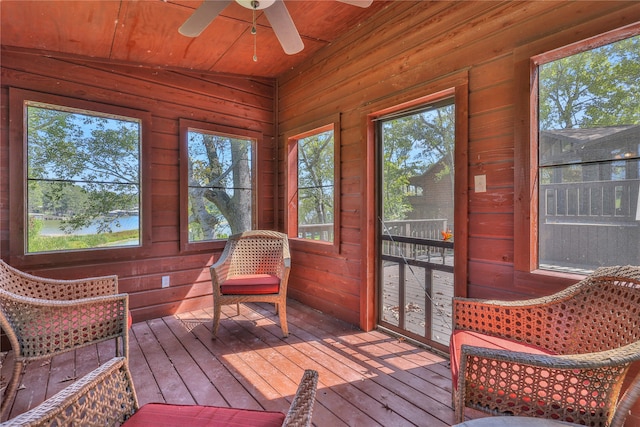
(82, 166)
(315, 179)
(596, 88)
(220, 185)
(412, 144)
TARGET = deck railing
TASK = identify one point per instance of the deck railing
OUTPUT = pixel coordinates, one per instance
(417, 280)
(322, 232)
(589, 224)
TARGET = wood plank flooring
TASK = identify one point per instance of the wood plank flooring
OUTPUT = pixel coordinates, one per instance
(366, 379)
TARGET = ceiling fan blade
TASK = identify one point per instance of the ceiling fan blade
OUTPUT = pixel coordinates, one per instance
(284, 27)
(359, 3)
(202, 17)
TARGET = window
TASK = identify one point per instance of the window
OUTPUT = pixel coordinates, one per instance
(82, 186)
(218, 182)
(588, 128)
(311, 189)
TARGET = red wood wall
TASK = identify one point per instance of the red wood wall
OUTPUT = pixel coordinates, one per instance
(241, 103)
(410, 50)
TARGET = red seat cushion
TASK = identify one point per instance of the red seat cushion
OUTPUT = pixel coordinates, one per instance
(478, 339)
(251, 284)
(164, 415)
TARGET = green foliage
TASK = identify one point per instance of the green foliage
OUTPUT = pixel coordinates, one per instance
(595, 88)
(411, 145)
(80, 167)
(39, 243)
(316, 179)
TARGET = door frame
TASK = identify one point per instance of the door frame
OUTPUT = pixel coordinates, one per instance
(455, 86)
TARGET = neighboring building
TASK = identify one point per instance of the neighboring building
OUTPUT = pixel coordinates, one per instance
(590, 188)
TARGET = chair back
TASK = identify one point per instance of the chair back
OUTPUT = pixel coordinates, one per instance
(28, 285)
(17, 282)
(607, 301)
(258, 252)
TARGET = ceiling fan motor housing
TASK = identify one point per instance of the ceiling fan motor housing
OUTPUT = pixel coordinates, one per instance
(255, 4)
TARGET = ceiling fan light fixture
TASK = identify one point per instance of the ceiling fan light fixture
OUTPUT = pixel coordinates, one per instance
(255, 4)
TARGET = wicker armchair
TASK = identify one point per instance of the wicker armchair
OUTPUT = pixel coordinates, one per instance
(254, 267)
(106, 397)
(560, 357)
(45, 317)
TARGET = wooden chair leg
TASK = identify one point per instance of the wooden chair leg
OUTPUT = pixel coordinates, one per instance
(216, 320)
(281, 308)
(11, 390)
(238, 308)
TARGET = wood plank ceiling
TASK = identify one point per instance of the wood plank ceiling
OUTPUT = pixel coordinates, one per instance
(146, 32)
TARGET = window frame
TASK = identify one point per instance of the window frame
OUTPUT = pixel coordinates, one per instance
(18, 172)
(291, 218)
(526, 197)
(185, 126)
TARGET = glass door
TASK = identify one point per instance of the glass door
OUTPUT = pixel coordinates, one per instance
(416, 229)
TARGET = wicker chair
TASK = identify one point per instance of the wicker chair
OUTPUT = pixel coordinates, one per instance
(45, 317)
(254, 267)
(561, 357)
(106, 397)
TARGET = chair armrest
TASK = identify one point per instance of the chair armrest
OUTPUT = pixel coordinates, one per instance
(103, 397)
(41, 328)
(220, 269)
(300, 411)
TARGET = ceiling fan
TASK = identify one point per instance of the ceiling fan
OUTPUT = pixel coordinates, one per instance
(275, 11)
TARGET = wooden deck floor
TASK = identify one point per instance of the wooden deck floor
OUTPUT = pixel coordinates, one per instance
(366, 379)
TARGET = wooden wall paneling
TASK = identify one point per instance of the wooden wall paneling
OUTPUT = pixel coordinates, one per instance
(372, 48)
(496, 70)
(415, 44)
(325, 299)
(491, 225)
(4, 173)
(496, 200)
(242, 103)
(492, 148)
(167, 101)
(493, 281)
(430, 48)
(490, 249)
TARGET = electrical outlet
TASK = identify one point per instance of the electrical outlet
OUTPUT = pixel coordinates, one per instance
(165, 281)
